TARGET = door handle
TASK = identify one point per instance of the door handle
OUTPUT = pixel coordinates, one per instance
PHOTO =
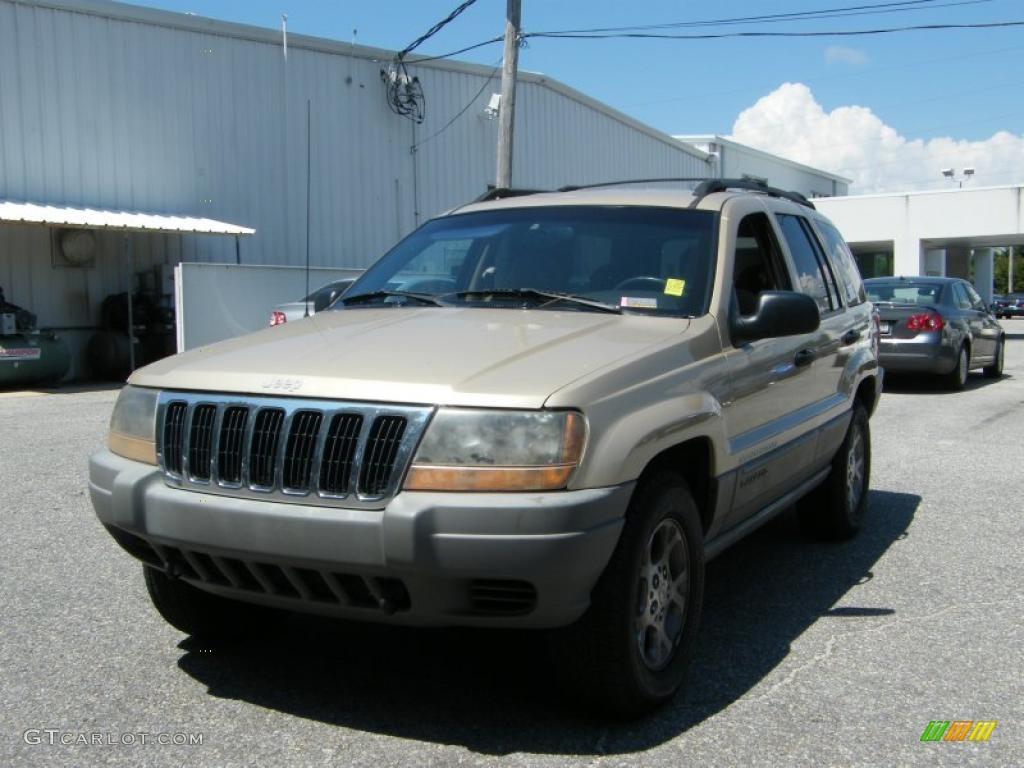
(850, 337)
(803, 357)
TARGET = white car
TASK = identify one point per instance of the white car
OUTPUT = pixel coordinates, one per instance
(318, 300)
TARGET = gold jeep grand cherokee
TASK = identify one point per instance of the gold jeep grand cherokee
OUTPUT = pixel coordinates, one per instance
(538, 410)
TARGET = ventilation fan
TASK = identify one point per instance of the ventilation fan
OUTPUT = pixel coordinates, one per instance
(77, 248)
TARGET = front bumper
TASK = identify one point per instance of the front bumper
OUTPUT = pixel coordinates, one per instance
(916, 356)
(481, 559)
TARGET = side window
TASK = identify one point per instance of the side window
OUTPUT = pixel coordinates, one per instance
(810, 275)
(851, 284)
(756, 263)
(960, 296)
(975, 299)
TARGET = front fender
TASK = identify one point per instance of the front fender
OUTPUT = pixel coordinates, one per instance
(621, 450)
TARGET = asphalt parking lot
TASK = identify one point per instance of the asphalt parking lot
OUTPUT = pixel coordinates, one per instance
(809, 654)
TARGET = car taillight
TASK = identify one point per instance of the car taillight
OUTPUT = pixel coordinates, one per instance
(927, 321)
(278, 318)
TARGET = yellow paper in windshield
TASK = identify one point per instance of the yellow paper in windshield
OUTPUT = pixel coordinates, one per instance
(674, 287)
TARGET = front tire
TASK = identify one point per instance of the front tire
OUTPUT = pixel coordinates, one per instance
(995, 369)
(834, 510)
(205, 615)
(629, 652)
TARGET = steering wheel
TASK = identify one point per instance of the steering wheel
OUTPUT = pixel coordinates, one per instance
(643, 282)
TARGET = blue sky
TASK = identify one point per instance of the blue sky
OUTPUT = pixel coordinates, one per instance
(962, 84)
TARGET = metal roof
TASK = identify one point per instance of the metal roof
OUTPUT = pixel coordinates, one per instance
(126, 221)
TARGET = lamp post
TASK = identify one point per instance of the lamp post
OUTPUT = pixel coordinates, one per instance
(950, 174)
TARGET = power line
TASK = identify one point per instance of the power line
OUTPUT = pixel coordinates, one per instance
(404, 93)
(823, 33)
(421, 60)
(869, 72)
(722, 35)
(461, 112)
(435, 29)
(823, 13)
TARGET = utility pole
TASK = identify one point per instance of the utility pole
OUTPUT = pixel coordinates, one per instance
(507, 106)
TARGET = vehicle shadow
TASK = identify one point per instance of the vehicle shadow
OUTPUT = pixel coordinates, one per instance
(912, 384)
(492, 692)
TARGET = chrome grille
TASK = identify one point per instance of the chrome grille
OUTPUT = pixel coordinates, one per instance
(298, 456)
(339, 453)
(305, 451)
(382, 448)
(266, 433)
(200, 440)
(229, 446)
(173, 434)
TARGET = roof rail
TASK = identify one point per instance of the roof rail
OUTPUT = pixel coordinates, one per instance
(500, 193)
(574, 187)
(721, 185)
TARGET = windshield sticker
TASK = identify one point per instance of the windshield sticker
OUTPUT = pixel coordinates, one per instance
(638, 302)
(674, 286)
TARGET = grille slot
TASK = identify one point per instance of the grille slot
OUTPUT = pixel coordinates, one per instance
(200, 441)
(280, 580)
(381, 451)
(266, 434)
(298, 452)
(339, 453)
(232, 436)
(501, 597)
(174, 431)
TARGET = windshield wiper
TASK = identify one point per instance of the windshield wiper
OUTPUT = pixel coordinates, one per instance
(423, 298)
(541, 298)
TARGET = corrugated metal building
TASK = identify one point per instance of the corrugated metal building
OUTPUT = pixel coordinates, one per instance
(731, 159)
(112, 106)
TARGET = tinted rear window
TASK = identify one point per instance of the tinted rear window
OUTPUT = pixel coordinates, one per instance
(904, 292)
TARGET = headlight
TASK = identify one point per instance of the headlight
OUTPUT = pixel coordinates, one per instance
(471, 450)
(133, 425)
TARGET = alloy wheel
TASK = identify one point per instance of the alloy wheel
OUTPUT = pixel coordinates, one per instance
(855, 470)
(662, 592)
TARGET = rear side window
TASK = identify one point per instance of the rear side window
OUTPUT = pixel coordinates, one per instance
(850, 282)
(810, 273)
(960, 296)
(972, 295)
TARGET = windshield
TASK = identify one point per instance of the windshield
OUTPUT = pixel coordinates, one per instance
(903, 291)
(584, 258)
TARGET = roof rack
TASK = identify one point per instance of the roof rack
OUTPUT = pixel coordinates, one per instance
(721, 185)
(500, 193)
(705, 187)
(574, 187)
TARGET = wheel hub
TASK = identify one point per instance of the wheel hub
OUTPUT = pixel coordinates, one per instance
(662, 594)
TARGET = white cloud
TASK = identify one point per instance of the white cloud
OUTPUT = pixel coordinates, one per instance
(839, 54)
(854, 142)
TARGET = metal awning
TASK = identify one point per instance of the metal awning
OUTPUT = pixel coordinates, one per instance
(123, 221)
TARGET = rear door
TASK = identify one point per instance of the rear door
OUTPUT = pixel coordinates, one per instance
(984, 327)
(814, 276)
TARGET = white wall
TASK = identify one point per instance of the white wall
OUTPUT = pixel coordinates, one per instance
(991, 216)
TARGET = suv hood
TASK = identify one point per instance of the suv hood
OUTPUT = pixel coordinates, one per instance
(512, 358)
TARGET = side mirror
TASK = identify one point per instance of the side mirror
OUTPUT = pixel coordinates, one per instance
(324, 300)
(778, 313)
